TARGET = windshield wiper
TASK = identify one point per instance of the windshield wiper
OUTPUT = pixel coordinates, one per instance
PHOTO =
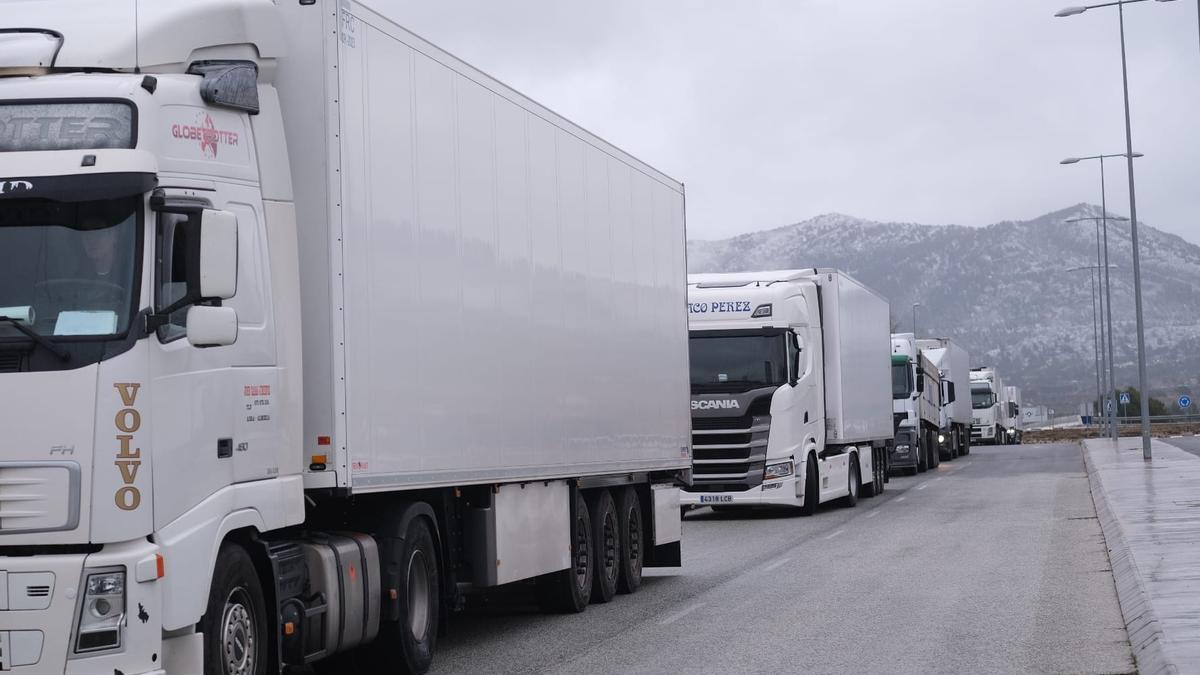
(62, 354)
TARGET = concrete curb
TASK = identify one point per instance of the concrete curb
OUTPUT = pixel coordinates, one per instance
(1141, 624)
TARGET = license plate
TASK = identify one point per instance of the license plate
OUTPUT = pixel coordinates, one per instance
(715, 499)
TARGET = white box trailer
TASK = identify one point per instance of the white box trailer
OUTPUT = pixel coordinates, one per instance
(333, 380)
(917, 400)
(790, 374)
(954, 364)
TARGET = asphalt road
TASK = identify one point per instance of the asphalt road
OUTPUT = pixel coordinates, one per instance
(991, 563)
(1186, 443)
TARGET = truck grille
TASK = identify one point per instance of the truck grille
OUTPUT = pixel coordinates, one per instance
(38, 496)
(729, 453)
(10, 362)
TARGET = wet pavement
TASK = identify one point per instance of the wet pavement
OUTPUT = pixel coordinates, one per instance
(1150, 514)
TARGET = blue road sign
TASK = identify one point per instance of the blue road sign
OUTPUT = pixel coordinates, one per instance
(1110, 404)
(1185, 401)
(1124, 397)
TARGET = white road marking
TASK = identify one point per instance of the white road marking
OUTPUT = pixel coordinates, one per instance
(831, 536)
(777, 564)
(873, 513)
(680, 614)
(900, 499)
(922, 486)
(939, 478)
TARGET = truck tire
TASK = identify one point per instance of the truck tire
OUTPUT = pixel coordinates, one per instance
(934, 457)
(569, 590)
(633, 539)
(869, 489)
(419, 595)
(235, 621)
(965, 440)
(922, 455)
(854, 483)
(812, 488)
(606, 537)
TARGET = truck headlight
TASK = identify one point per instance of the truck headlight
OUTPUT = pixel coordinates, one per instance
(780, 470)
(1012, 432)
(102, 612)
(941, 438)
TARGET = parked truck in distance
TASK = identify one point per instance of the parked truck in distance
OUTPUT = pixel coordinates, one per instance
(954, 366)
(987, 406)
(1014, 424)
(789, 373)
(916, 407)
(296, 303)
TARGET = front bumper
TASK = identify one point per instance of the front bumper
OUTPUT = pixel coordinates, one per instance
(781, 492)
(983, 431)
(38, 626)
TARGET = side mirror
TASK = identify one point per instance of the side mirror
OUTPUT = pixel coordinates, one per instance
(793, 350)
(950, 395)
(218, 254)
(211, 326)
(920, 382)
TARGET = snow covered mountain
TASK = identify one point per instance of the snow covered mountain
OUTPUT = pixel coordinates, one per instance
(1004, 291)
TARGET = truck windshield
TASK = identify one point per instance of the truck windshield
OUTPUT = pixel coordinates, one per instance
(69, 268)
(982, 398)
(902, 380)
(737, 360)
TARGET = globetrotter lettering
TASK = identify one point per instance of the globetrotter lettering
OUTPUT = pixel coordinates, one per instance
(129, 458)
(730, 404)
(205, 131)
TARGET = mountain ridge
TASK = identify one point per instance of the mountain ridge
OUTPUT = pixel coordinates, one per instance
(1004, 290)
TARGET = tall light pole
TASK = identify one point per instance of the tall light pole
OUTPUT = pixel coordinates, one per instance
(1133, 229)
(1097, 331)
(1107, 311)
(915, 306)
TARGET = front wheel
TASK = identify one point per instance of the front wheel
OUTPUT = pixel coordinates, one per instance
(235, 623)
(812, 488)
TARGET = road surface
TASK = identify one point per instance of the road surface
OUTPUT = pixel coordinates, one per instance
(991, 563)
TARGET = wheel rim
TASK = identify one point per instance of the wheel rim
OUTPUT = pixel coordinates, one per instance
(581, 554)
(418, 595)
(610, 546)
(238, 640)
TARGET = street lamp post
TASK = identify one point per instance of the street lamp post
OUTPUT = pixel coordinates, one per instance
(1133, 229)
(1097, 331)
(915, 306)
(1111, 413)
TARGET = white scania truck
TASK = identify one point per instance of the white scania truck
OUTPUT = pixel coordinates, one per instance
(954, 366)
(789, 375)
(293, 309)
(916, 407)
(987, 406)
(1014, 422)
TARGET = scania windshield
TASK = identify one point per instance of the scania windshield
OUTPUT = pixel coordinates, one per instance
(982, 398)
(902, 378)
(737, 360)
(69, 269)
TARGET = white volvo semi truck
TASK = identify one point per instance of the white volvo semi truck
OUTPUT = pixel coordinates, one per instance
(954, 366)
(789, 376)
(293, 308)
(916, 407)
(987, 406)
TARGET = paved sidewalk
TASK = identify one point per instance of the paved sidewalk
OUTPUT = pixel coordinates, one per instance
(1150, 515)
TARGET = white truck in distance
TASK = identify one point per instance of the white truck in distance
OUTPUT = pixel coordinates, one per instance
(294, 304)
(916, 407)
(987, 406)
(954, 365)
(1014, 422)
(789, 374)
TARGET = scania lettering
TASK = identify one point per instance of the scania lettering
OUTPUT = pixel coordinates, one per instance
(953, 364)
(789, 389)
(287, 297)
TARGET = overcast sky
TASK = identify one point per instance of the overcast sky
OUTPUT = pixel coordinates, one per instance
(930, 111)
